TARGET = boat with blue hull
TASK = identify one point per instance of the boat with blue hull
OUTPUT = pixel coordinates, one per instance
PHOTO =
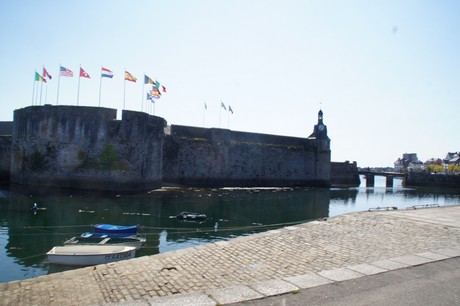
(116, 230)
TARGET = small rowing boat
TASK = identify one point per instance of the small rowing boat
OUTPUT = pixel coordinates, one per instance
(88, 255)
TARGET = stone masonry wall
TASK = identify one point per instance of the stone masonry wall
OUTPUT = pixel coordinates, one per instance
(345, 174)
(218, 157)
(85, 147)
(6, 128)
(5, 157)
(417, 179)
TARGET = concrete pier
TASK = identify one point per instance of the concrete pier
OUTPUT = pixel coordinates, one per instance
(279, 261)
(370, 180)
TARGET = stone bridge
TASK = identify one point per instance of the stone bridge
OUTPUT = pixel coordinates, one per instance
(370, 177)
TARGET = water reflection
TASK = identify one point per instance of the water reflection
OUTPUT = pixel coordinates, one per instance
(25, 238)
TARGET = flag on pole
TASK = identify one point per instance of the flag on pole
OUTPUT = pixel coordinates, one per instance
(230, 109)
(83, 74)
(46, 74)
(106, 73)
(222, 105)
(148, 80)
(155, 93)
(150, 96)
(205, 106)
(130, 77)
(163, 88)
(65, 72)
(39, 78)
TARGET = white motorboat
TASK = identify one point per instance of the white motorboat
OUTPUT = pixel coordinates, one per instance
(88, 255)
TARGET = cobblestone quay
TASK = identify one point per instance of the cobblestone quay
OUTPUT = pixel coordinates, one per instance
(256, 266)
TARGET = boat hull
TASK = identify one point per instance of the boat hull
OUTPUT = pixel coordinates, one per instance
(119, 230)
(88, 255)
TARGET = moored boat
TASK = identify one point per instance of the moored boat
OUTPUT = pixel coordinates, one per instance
(119, 230)
(88, 255)
(105, 239)
(190, 216)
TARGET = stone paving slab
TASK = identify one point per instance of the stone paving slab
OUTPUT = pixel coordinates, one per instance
(234, 294)
(367, 269)
(274, 287)
(389, 265)
(309, 280)
(340, 274)
(412, 260)
(432, 255)
(252, 267)
(190, 299)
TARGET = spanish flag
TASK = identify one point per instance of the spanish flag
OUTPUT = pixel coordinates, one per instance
(130, 77)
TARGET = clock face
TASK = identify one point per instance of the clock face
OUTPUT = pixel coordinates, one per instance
(321, 127)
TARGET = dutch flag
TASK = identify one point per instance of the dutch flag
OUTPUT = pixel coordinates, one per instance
(106, 73)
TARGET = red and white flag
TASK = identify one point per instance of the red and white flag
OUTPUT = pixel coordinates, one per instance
(46, 74)
(83, 73)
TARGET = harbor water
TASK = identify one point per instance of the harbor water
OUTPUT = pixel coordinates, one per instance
(26, 235)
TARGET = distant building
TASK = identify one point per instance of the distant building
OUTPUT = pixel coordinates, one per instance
(434, 161)
(416, 165)
(404, 163)
(452, 158)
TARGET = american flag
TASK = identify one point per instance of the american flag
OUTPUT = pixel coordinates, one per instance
(65, 72)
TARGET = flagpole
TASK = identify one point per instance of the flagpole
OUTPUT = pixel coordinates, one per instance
(204, 112)
(78, 90)
(142, 94)
(124, 90)
(41, 87)
(33, 90)
(46, 86)
(100, 86)
(46, 93)
(36, 96)
(59, 82)
(220, 112)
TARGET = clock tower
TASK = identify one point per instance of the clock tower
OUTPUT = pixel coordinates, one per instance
(321, 165)
(320, 130)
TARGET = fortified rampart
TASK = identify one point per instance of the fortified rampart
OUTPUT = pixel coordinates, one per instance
(345, 174)
(86, 148)
(217, 157)
(6, 129)
(5, 157)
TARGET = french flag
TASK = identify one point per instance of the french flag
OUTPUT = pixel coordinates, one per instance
(106, 73)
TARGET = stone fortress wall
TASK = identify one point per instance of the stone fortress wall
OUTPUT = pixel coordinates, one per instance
(218, 157)
(6, 129)
(87, 148)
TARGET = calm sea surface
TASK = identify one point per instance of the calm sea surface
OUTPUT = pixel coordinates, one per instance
(25, 237)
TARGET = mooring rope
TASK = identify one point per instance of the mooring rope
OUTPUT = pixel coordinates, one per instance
(177, 230)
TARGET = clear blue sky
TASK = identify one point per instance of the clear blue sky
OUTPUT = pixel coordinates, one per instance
(385, 73)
